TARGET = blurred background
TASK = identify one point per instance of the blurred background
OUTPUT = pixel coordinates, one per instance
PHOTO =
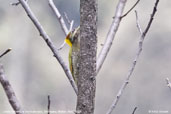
(34, 73)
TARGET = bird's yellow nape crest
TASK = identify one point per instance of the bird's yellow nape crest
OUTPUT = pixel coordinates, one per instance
(68, 40)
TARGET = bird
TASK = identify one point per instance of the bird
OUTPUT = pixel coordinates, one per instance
(73, 40)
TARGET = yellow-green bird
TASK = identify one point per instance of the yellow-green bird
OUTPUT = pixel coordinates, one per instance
(73, 40)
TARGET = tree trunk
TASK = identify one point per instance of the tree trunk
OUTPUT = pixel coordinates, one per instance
(87, 61)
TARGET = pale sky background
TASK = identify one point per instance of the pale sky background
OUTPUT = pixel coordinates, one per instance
(34, 73)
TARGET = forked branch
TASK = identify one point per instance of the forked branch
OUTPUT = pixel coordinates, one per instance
(59, 17)
(142, 37)
(131, 9)
(48, 42)
(61, 21)
(111, 34)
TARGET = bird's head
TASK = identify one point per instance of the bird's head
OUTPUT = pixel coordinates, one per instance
(71, 36)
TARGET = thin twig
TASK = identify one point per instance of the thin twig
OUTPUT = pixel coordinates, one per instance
(142, 36)
(66, 17)
(9, 92)
(111, 34)
(168, 83)
(48, 107)
(131, 9)
(61, 21)
(134, 110)
(49, 43)
(152, 17)
(58, 15)
(17, 3)
(4, 53)
(137, 23)
(71, 23)
(62, 45)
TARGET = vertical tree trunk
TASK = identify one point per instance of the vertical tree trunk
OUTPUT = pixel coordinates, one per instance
(87, 63)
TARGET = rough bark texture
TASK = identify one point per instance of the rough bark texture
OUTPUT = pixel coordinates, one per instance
(87, 63)
(9, 92)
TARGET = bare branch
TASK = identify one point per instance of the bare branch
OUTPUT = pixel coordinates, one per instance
(68, 21)
(61, 21)
(4, 53)
(58, 15)
(111, 34)
(48, 104)
(71, 25)
(168, 83)
(66, 17)
(62, 45)
(142, 36)
(9, 92)
(134, 110)
(151, 18)
(49, 43)
(137, 23)
(17, 3)
(131, 9)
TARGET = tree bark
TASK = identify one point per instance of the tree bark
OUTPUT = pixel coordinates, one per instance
(87, 61)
